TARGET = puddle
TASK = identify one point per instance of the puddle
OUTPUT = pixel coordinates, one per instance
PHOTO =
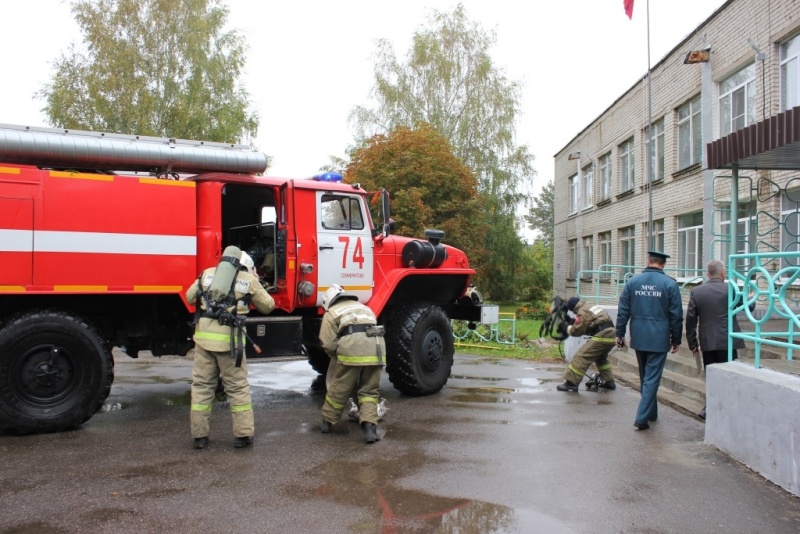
(524, 423)
(400, 510)
(37, 527)
(486, 378)
(534, 381)
(184, 398)
(297, 376)
(487, 394)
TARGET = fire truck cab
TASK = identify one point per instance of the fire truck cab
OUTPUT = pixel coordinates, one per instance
(102, 234)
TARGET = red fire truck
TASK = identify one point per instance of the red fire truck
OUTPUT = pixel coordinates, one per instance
(101, 235)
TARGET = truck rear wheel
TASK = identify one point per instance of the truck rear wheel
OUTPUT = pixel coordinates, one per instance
(420, 349)
(318, 359)
(55, 372)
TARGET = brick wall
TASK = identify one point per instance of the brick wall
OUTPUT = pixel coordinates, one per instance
(674, 84)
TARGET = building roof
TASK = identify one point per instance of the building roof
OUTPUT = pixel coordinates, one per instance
(772, 144)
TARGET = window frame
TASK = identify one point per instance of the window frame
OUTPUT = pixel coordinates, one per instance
(572, 259)
(692, 124)
(746, 88)
(656, 162)
(587, 186)
(627, 249)
(587, 255)
(690, 232)
(627, 170)
(790, 61)
(606, 170)
(785, 214)
(574, 184)
(745, 224)
(604, 238)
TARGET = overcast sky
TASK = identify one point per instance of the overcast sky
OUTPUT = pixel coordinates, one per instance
(310, 62)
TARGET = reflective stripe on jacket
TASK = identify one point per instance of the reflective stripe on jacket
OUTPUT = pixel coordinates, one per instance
(356, 348)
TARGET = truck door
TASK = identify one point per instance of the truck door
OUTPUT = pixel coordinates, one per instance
(345, 245)
(16, 242)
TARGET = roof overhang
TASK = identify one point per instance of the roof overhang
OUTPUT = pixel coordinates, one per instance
(772, 144)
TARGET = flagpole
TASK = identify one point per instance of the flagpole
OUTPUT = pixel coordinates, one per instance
(650, 141)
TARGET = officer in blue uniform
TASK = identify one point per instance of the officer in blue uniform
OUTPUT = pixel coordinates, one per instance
(651, 301)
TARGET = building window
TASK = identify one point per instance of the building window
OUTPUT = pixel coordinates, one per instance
(605, 176)
(746, 236)
(658, 234)
(626, 172)
(588, 257)
(690, 245)
(790, 74)
(790, 227)
(627, 249)
(573, 194)
(657, 154)
(588, 186)
(605, 254)
(657, 242)
(737, 101)
(690, 134)
(572, 258)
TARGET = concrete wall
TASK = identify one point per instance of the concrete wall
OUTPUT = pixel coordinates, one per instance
(754, 415)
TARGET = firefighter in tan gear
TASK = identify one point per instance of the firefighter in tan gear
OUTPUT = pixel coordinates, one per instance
(594, 321)
(351, 337)
(219, 345)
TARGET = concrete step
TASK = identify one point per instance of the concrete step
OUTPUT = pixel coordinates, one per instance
(686, 393)
(683, 362)
(666, 396)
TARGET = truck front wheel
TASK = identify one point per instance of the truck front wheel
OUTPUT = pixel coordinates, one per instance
(55, 372)
(419, 342)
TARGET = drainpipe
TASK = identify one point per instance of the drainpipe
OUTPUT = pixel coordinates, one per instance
(706, 102)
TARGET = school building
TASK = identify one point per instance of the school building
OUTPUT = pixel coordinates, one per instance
(738, 68)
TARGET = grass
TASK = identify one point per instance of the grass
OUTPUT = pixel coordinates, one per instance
(484, 340)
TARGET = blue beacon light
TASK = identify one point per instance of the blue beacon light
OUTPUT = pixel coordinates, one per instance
(328, 177)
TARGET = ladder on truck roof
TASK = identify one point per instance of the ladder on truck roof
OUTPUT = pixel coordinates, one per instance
(99, 151)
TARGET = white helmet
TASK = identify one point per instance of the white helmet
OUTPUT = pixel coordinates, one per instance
(247, 263)
(334, 293)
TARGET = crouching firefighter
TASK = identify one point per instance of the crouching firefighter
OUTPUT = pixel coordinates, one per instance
(350, 336)
(222, 297)
(595, 322)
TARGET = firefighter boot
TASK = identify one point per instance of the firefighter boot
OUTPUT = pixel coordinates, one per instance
(370, 433)
(200, 443)
(326, 427)
(567, 386)
(609, 385)
(243, 441)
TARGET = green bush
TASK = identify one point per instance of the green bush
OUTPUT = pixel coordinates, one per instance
(536, 311)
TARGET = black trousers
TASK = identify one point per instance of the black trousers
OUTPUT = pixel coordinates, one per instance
(716, 356)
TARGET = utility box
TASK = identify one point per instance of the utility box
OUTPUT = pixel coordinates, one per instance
(490, 314)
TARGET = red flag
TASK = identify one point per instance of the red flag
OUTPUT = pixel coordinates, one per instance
(628, 4)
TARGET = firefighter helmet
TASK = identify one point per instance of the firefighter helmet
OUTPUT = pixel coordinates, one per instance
(247, 263)
(334, 293)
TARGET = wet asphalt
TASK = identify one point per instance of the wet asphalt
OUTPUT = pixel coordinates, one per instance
(498, 450)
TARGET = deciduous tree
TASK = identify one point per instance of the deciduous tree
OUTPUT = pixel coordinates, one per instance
(448, 80)
(430, 187)
(542, 215)
(153, 67)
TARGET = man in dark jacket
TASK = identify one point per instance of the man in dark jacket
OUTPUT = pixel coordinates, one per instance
(651, 301)
(708, 305)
